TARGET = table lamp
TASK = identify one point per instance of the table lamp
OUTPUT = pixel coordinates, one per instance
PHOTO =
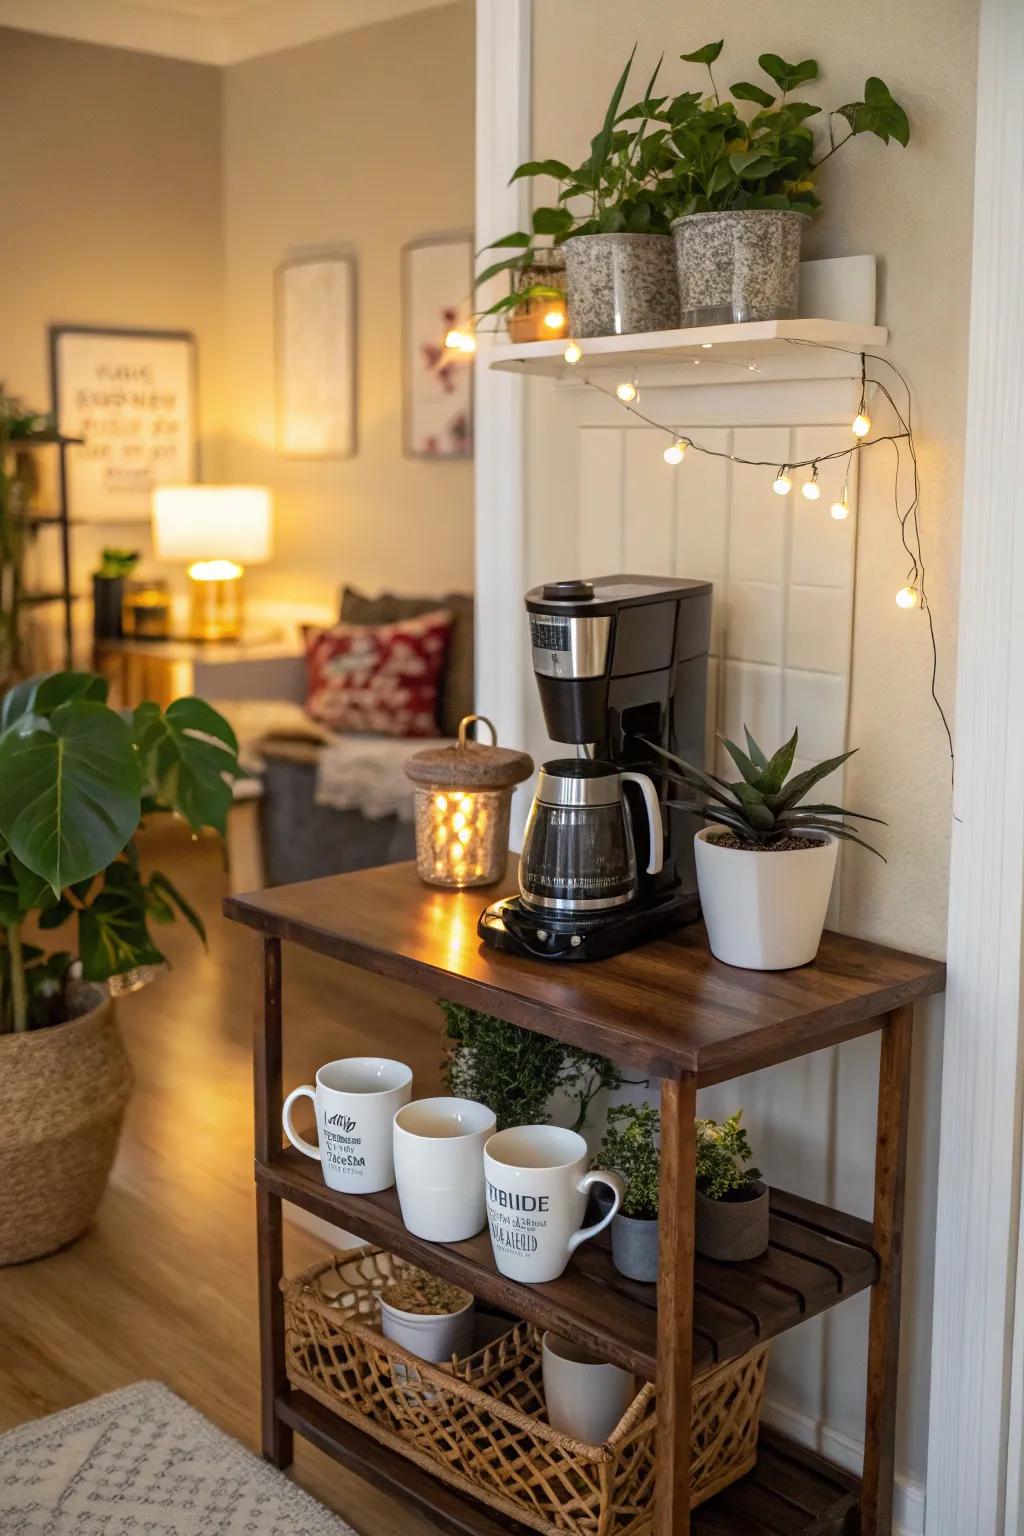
(218, 530)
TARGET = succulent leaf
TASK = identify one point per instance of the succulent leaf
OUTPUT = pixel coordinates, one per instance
(756, 755)
(750, 771)
(798, 787)
(777, 772)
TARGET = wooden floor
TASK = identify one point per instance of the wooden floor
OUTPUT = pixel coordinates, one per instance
(163, 1286)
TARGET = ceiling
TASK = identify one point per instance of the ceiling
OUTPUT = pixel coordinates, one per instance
(208, 31)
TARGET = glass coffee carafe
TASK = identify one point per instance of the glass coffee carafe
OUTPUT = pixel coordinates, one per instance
(578, 852)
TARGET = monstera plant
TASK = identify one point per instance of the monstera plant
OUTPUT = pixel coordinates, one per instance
(76, 780)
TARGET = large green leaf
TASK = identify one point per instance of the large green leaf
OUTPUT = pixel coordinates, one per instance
(744, 91)
(112, 932)
(42, 694)
(70, 790)
(785, 75)
(602, 141)
(552, 221)
(186, 752)
(878, 113)
(554, 168)
(706, 55)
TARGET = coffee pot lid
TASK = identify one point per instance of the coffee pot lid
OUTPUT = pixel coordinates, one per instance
(470, 764)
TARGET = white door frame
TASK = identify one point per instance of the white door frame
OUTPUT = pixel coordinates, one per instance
(975, 1459)
(974, 1471)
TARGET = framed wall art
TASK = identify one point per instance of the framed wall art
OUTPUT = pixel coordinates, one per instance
(131, 394)
(437, 281)
(315, 326)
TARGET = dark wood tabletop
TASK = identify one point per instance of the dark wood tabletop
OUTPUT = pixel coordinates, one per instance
(667, 1007)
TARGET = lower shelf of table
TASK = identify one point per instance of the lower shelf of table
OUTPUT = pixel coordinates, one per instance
(790, 1492)
(816, 1258)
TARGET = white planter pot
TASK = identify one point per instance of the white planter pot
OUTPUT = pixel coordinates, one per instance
(764, 911)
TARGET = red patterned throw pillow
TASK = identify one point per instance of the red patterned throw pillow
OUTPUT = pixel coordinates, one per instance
(378, 677)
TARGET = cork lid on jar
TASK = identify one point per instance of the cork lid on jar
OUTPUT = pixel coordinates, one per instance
(470, 764)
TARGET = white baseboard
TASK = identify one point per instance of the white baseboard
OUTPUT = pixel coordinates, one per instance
(908, 1510)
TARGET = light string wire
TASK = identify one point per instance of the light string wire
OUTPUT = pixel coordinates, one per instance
(907, 519)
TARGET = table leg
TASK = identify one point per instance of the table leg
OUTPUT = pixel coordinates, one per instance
(884, 1327)
(276, 1438)
(675, 1306)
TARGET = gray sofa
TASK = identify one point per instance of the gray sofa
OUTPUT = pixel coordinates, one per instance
(303, 840)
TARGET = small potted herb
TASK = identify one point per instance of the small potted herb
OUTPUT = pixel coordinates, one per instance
(731, 1221)
(630, 1147)
(743, 187)
(428, 1316)
(611, 219)
(765, 866)
(108, 591)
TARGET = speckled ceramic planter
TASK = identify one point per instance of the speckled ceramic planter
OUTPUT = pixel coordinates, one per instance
(736, 266)
(635, 1248)
(732, 1230)
(621, 284)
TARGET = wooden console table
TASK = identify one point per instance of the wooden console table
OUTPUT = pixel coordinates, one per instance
(671, 1011)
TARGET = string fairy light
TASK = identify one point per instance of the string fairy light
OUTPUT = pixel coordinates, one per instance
(573, 353)
(912, 595)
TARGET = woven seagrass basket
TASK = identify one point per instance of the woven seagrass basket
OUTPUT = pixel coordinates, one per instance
(63, 1092)
(479, 1424)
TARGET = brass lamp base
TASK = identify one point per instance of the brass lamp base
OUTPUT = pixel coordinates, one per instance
(217, 600)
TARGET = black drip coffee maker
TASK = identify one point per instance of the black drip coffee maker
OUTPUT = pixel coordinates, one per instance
(620, 661)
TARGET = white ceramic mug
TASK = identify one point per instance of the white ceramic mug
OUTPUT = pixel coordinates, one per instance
(586, 1397)
(439, 1167)
(536, 1186)
(355, 1101)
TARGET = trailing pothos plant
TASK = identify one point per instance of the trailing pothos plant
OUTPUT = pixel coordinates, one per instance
(76, 779)
(618, 189)
(765, 806)
(770, 159)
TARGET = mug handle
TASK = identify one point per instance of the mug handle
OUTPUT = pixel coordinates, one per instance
(617, 1184)
(297, 1141)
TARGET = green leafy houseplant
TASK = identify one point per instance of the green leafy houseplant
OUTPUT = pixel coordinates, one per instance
(630, 1147)
(76, 778)
(515, 1072)
(769, 159)
(721, 1151)
(115, 564)
(617, 189)
(763, 809)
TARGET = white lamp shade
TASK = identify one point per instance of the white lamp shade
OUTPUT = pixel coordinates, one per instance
(212, 522)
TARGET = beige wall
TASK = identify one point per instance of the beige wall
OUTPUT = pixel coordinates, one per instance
(912, 208)
(111, 214)
(362, 141)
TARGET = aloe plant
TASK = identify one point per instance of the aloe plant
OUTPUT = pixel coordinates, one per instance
(765, 805)
(76, 779)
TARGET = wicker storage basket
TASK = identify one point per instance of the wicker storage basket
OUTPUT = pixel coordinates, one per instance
(479, 1424)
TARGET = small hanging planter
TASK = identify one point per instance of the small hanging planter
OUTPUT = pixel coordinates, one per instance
(463, 802)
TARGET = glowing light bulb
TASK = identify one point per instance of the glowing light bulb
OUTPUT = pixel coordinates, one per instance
(782, 484)
(555, 319)
(467, 343)
(626, 391)
(572, 353)
(810, 489)
(839, 510)
(908, 597)
(676, 453)
(453, 339)
(861, 424)
(707, 345)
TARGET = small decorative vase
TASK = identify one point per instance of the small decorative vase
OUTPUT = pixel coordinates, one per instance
(635, 1248)
(620, 285)
(540, 319)
(733, 1230)
(737, 265)
(434, 1336)
(764, 911)
(107, 597)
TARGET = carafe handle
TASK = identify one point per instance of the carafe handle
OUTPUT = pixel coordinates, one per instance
(652, 804)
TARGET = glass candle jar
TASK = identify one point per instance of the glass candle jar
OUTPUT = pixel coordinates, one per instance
(463, 801)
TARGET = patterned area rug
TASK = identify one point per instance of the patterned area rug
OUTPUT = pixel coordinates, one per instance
(140, 1462)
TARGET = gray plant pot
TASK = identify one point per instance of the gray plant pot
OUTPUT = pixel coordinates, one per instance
(732, 1230)
(635, 1248)
(619, 285)
(738, 265)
